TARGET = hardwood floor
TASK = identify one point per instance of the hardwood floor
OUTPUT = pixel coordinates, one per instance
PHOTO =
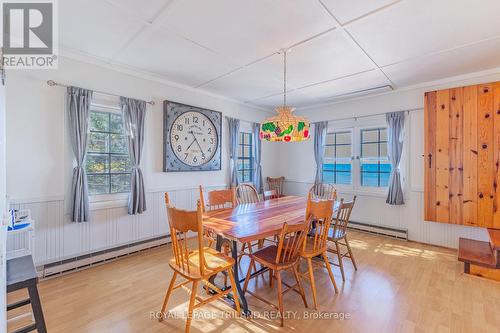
(399, 287)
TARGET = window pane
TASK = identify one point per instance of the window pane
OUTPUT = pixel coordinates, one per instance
(343, 178)
(383, 150)
(247, 151)
(330, 138)
(98, 184)
(116, 123)
(120, 163)
(369, 150)
(248, 138)
(98, 143)
(369, 179)
(369, 135)
(343, 151)
(97, 163)
(119, 144)
(369, 166)
(242, 138)
(99, 121)
(330, 151)
(385, 166)
(120, 183)
(344, 137)
(383, 134)
(384, 179)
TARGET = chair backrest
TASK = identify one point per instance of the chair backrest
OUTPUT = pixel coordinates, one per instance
(180, 223)
(276, 183)
(272, 194)
(321, 212)
(291, 241)
(246, 193)
(218, 199)
(323, 191)
(343, 215)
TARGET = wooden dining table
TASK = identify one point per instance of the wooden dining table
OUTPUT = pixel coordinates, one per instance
(251, 222)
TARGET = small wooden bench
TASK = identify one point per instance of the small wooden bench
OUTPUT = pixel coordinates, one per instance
(21, 274)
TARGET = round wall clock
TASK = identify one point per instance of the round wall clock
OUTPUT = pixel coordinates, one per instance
(192, 138)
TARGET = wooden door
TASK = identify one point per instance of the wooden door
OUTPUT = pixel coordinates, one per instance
(462, 155)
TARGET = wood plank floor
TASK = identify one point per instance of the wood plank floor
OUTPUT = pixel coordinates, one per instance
(399, 287)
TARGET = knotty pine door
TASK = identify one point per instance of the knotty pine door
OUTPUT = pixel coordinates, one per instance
(462, 155)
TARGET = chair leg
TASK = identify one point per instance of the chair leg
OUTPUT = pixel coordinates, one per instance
(341, 264)
(280, 297)
(235, 291)
(191, 305)
(350, 254)
(271, 278)
(36, 307)
(299, 284)
(247, 278)
(313, 284)
(327, 264)
(167, 296)
(252, 263)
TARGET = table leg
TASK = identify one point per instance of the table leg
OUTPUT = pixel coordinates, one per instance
(241, 294)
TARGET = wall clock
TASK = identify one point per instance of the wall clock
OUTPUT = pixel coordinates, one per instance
(191, 138)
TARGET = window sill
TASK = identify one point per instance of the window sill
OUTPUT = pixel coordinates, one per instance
(108, 201)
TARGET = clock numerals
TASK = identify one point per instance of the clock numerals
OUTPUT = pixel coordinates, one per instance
(195, 138)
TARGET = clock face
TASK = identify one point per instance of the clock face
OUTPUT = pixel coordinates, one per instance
(193, 138)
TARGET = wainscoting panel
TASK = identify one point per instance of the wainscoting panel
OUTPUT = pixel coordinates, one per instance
(372, 209)
(57, 238)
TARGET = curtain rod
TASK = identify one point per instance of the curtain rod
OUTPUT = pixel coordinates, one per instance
(373, 115)
(53, 83)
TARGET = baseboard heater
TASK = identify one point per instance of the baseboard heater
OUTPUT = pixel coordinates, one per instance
(100, 257)
(379, 230)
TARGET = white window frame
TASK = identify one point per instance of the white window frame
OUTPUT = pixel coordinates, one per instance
(246, 127)
(356, 126)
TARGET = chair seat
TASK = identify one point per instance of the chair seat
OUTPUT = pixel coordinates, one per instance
(216, 262)
(267, 257)
(338, 234)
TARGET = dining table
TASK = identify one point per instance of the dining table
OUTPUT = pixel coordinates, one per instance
(252, 222)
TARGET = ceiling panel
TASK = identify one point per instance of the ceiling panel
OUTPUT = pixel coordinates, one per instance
(294, 98)
(473, 58)
(145, 10)
(347, 10)
(247, 30)
(179, 60)
(258, 80)
(414, 28)
(94, 27)
(327, 90)
(327, 57)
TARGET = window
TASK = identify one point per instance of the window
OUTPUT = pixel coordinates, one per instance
(107, 163)
(337, 166)
(375, 168)
(245, 158)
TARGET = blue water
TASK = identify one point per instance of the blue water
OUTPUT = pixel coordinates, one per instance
(369, 174)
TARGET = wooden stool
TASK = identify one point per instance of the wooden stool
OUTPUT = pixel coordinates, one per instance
(21, 274)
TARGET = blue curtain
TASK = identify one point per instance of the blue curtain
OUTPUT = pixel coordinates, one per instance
(319, 148)
(78, 118)
(134, 113)
(395, 136)
(257, 167)
(234, 135)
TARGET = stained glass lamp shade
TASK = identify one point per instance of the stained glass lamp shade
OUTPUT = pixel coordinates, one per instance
(285, 127)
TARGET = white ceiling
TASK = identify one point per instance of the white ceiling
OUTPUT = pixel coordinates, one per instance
(229, 47)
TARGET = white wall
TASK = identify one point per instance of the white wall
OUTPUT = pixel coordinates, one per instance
(40, 160)
(371, 208)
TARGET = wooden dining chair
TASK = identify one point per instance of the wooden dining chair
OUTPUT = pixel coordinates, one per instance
(217, 199)
(323, 191)
(271, 194)
(320, 213)
(276, 183)
(338, 234)
(195, 263)
(284, 256)
(246, 193)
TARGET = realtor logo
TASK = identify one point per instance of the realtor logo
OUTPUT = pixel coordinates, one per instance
(29, 34)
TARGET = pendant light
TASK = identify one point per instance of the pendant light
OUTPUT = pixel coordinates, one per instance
(285, 127)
